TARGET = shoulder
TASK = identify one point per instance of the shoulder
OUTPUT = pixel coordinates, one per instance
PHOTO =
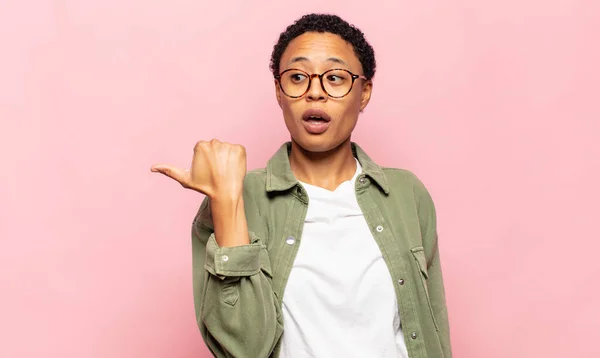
(256, 178)
(401, 176)
(404, 179)
(410, 187)
(255, 183)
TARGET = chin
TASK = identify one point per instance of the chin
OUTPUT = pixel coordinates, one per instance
(317, 143)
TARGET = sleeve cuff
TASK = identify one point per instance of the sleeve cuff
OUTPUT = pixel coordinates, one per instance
(237, 261)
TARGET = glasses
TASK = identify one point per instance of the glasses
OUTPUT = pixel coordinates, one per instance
(337, 82)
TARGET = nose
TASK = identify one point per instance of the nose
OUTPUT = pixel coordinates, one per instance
(315, 89)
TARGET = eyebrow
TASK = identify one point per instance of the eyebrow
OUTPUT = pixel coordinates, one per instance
(331, 59)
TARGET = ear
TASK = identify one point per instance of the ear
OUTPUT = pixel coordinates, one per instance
(277, 92)
(367, 89)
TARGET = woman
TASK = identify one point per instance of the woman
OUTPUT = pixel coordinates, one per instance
(323, 253)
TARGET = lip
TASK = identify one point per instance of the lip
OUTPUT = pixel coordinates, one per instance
(315, 127)
(316, 112)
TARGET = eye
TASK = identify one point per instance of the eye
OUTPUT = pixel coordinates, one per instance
(337, 77)
(297, 77)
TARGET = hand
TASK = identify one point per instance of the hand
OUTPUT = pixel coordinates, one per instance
(218, 170)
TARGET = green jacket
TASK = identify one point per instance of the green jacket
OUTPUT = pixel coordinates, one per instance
(238, 291)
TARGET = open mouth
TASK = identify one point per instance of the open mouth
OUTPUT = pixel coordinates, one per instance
(316, 115)
(316, 121)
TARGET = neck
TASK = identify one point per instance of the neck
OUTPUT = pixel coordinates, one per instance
(323, 169)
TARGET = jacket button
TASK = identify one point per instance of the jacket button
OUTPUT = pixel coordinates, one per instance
(290, 240)
(413, 335)
(362, 180)
(401, 281)
(379, 228)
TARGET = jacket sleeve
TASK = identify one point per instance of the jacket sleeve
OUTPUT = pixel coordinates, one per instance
(235, 305)
(435, 281)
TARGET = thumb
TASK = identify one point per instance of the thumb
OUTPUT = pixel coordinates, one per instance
(177, 174)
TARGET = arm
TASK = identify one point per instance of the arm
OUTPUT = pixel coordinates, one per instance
(435, 282)
(235, 305)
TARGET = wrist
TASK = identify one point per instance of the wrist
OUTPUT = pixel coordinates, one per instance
(229, 220)
(226, 200)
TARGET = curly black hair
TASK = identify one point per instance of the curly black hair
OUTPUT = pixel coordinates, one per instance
(326, 23)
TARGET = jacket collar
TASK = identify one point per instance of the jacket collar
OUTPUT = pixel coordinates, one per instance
(281, 178)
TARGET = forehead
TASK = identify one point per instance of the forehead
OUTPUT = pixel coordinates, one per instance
(318, 49)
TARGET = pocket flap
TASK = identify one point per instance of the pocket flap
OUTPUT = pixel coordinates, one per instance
(419, 255)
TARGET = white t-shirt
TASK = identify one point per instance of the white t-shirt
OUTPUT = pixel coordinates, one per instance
(339, 300)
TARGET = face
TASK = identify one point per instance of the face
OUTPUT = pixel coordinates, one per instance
(316, 53)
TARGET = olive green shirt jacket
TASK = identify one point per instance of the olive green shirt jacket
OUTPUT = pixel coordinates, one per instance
(238, 291)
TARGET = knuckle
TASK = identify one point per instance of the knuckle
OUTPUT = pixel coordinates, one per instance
(185, 182)
(199, 145)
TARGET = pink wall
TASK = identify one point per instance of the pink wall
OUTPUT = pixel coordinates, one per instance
(494, 104)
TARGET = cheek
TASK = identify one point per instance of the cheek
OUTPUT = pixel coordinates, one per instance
(286, 108)
(289, 114)
(290, 108)
(352, 106)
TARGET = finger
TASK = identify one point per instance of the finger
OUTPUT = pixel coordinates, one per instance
(174, 173)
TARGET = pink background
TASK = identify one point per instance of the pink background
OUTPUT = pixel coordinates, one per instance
(493, 104)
